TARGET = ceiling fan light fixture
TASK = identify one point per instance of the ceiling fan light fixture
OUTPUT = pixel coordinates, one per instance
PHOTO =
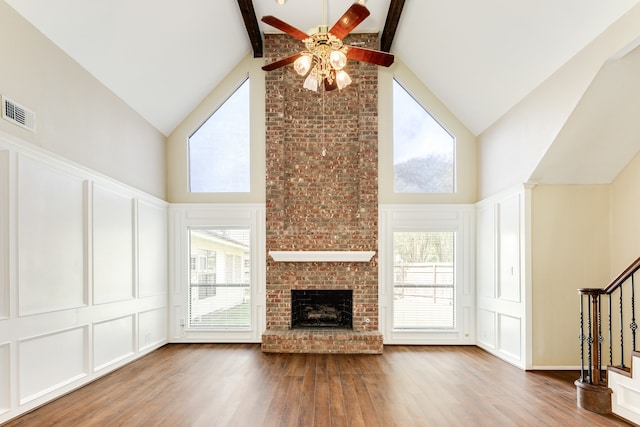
(302, 65)
(311, 82)
(342, 79)
(325, 55)
(338, 60)
(281, 1)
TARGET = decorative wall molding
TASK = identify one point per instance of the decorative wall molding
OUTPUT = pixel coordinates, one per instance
(503, 276)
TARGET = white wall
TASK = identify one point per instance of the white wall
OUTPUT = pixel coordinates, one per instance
(76, 116)
(83, 278)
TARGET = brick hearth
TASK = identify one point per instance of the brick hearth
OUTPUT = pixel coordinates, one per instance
(322, 341)
(319, 202)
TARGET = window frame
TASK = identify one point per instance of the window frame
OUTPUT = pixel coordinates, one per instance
(396, 82)
(176, 145)
(465, 141)
(246, 80)
(183, 217)
(409, 218)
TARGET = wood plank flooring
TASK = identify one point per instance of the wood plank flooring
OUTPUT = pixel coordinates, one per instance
(238, 385)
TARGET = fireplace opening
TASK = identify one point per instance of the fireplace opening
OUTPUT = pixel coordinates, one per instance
(321, 308)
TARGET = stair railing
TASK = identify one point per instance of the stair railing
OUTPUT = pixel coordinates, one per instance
(620, 326)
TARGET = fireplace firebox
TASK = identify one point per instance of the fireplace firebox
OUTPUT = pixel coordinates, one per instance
(321, 308)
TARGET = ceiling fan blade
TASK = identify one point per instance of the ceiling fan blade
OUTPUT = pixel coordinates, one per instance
(369, 55)
(350, 20)
(283, 26)
(281, 63)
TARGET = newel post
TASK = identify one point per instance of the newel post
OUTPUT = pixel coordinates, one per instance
(592, 395)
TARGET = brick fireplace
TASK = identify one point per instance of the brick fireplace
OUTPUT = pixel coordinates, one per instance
(322, 195)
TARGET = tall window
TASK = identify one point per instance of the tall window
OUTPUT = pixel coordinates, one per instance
(219, 287)
(424, 280)
(423, 151)
(219, 149)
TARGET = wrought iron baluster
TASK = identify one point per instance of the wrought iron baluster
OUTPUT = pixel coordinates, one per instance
(581, 337)
(633, 324)
(610, 333)
(589, 344)
(600, 338)
(621, 331)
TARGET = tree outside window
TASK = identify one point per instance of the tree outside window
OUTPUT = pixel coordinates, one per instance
(423, 151)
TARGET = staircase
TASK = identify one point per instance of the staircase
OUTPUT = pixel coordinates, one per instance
(608, 320)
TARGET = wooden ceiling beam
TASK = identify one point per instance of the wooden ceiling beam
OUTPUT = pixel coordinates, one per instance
(251, 23)
(391, 24)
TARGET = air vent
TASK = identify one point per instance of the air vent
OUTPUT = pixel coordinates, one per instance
(17, 114)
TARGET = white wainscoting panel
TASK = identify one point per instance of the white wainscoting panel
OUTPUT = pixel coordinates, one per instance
(487, 328)
(503, 276)
(112, 246)
(510, 337)
(69, 238)
(486, 252)
(510, 247)
(152, 243)
(152, 328)
(5, 378)
(113, 341)
(51, 258)
(4, 234)
(51, 361)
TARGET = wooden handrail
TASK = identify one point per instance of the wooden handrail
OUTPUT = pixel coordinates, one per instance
(618, 281)
(591, 291)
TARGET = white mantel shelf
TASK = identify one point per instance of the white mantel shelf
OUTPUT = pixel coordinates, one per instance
(322, 256)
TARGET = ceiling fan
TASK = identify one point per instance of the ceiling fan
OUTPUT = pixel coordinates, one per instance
(325, 55)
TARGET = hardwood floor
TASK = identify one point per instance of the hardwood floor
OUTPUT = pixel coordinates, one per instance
(238, 385)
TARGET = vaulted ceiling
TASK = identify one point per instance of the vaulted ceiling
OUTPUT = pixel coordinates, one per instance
(480, 58)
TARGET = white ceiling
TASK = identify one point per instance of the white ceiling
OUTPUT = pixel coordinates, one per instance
(601, 135)
(162, 57)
